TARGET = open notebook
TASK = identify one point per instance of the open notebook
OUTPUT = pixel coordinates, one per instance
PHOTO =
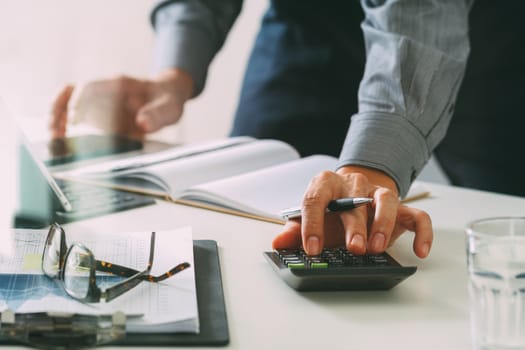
(243, 176)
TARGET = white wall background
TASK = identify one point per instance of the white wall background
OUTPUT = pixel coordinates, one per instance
(47, 44)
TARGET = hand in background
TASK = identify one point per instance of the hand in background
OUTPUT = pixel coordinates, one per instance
(371, 228)
(124, 105)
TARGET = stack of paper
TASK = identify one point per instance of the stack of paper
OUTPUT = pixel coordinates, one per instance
(167, 306)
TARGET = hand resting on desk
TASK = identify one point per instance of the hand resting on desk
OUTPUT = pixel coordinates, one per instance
(371, 228)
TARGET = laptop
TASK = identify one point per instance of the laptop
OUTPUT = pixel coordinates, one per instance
(44, 199)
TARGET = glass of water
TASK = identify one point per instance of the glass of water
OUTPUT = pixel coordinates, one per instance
(496, 268)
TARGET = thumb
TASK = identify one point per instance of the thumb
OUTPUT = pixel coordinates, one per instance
(290, 236)
(162, 111)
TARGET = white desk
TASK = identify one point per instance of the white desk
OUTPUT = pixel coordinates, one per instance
(429, 310)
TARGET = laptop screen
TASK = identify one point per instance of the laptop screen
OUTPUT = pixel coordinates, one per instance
(34, 196)
(39, 194)
(41, 200)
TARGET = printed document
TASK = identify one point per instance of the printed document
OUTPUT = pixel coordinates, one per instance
(167, 306)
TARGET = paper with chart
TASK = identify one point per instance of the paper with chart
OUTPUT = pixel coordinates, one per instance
(170, 305)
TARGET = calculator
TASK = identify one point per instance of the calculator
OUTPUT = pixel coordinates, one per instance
(336, 269)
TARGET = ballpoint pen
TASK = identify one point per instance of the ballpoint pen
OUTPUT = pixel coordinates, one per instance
(334, 205)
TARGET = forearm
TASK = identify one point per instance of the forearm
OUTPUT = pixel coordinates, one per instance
(189, 33)
(179, 79)
(416, 57)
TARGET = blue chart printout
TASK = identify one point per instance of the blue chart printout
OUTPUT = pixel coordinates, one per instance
(170, 305)
(21, 278)
(16, 289)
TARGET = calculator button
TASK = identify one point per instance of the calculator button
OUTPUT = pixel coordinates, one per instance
(288, 256)
(297, 265)
(292, 261)
(337, 263)
(319, 265)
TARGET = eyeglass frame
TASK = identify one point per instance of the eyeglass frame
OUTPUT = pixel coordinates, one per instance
(95, 293)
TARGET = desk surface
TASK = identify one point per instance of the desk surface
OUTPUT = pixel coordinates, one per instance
(429, 310)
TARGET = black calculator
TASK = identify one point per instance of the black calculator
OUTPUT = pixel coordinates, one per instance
(336, 269)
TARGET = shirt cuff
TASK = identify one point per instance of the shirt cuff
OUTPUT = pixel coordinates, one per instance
(386, 142)
(184, 41)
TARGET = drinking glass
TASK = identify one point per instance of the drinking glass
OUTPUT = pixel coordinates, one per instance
(496, 270)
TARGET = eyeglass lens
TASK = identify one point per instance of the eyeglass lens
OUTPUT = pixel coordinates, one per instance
(77, 271)
(52, 254)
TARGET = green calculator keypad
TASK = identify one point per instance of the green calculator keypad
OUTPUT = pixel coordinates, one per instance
(336, 269)
(334, 257)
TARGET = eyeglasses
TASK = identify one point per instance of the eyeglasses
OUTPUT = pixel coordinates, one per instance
(75, 268)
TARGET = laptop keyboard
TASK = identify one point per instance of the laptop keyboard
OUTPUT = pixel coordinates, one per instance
(89, 200)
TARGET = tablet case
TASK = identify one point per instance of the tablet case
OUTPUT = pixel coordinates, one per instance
(210, 299)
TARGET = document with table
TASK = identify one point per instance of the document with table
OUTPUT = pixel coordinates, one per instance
(167, 306)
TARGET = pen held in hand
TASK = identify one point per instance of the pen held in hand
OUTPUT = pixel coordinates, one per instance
(334, 205)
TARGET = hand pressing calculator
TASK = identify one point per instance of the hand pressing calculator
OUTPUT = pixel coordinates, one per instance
(337, 269)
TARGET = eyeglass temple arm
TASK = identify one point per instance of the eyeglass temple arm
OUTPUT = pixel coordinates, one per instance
(165, 275)
(115, 269)
(120, 270)
(134, 276)
(133, 280)
(129, 272)
(122, 287)
(180, 267)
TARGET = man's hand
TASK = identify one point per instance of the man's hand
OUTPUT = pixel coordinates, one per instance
(367, 229)
(124, 105)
